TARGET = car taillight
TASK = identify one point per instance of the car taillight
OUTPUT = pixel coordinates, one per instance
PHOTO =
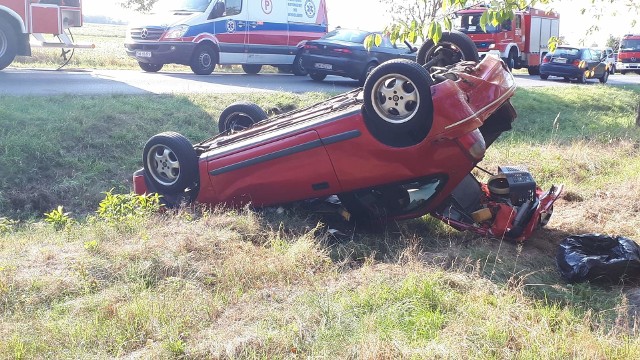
(343, 51)
(546, 59)
(474, 143)
(576, 62)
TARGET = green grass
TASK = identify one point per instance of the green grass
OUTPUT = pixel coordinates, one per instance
(203, 283)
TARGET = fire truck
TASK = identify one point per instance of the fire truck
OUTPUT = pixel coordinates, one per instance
(521, 42)
(629, 54)
(21, 20)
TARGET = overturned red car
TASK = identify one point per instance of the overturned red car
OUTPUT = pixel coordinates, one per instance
(401, 147)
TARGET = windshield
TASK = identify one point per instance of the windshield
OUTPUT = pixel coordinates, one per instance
(470, 24)
(630, 45)
(354, 36)
(181, 5)
(566, 53)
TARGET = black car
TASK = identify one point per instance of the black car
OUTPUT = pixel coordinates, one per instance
(574, 63)
(344, 52)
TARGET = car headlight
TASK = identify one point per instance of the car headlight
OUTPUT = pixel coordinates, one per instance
(176, 32)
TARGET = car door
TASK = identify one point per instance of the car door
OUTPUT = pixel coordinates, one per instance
(597, 65)
(230, 27)
(272, 169)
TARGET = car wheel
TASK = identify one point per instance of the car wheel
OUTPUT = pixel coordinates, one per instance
(171, 163)
(398, 108)
(622, 72)
(544, 76)
(239, 116)
(204, 60)
(533, 70)
(511, 60)
(582, 79)
(366, 72)
(604, 78)
(317, 76)
(251, 68)
(453, 47)
(8, 44)
(150, 67)
(297, 68)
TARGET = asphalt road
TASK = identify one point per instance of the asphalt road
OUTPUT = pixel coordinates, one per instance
(21, 82)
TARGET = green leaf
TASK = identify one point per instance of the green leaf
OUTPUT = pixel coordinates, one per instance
(378, 40)
(447, 23)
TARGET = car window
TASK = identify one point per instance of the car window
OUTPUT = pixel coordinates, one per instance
(386, 42)
(586, 54)
(354, 36)
(566, 52)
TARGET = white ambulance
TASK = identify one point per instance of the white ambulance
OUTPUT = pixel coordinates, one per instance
(203, 33)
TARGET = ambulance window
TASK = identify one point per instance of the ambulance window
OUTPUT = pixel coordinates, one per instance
(234, 7)
(518, 21)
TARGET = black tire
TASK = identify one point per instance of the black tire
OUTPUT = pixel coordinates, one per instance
(582, 79)
(317, 76)
(533, 70)
(8, 44)
(566, 78)
(454, 46)
(605, 76)
(171, 163)
(297, 68)
(239, 116)
(398, 108)
(511, 60)
(367, 70)
(251, 68)
(544, 76)
(622, 72)
(204, 60)
(150, 67)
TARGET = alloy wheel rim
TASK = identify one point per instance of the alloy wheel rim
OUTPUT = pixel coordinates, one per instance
(163, 165)
(395, 98)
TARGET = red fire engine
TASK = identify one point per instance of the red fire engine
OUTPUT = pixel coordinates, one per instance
(21, 18)
(629, 54)
(521, 42)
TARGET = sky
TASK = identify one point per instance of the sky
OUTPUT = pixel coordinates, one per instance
(372, 15)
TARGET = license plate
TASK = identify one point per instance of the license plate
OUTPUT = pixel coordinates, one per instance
(323, 66)
(560, 60)
(144, 54)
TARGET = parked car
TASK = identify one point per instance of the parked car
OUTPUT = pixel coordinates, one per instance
(401, 147)
(578, 63)
(343, 52)
(608, 57)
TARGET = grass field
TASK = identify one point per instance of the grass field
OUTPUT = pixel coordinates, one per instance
(113, 278)
(200, 283)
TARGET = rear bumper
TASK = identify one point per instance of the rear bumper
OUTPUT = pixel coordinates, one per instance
(161, 53)
(627, 66)
(560, 70)
(339, 66)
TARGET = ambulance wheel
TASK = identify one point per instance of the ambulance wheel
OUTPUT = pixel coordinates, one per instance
(8, 45)
(204, 60)
(398, 108)
(251, 68)
(297, 68)
(239, 116)
(150, 67)
(454, 46)
(171, 163)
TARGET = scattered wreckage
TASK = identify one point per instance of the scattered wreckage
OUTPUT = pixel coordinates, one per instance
(401, 147)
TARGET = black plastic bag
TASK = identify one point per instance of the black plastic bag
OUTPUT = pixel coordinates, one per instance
(598, 257)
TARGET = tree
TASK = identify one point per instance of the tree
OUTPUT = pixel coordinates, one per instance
(499, 11)
(138, 5)
(613, 42)
(414, 13)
